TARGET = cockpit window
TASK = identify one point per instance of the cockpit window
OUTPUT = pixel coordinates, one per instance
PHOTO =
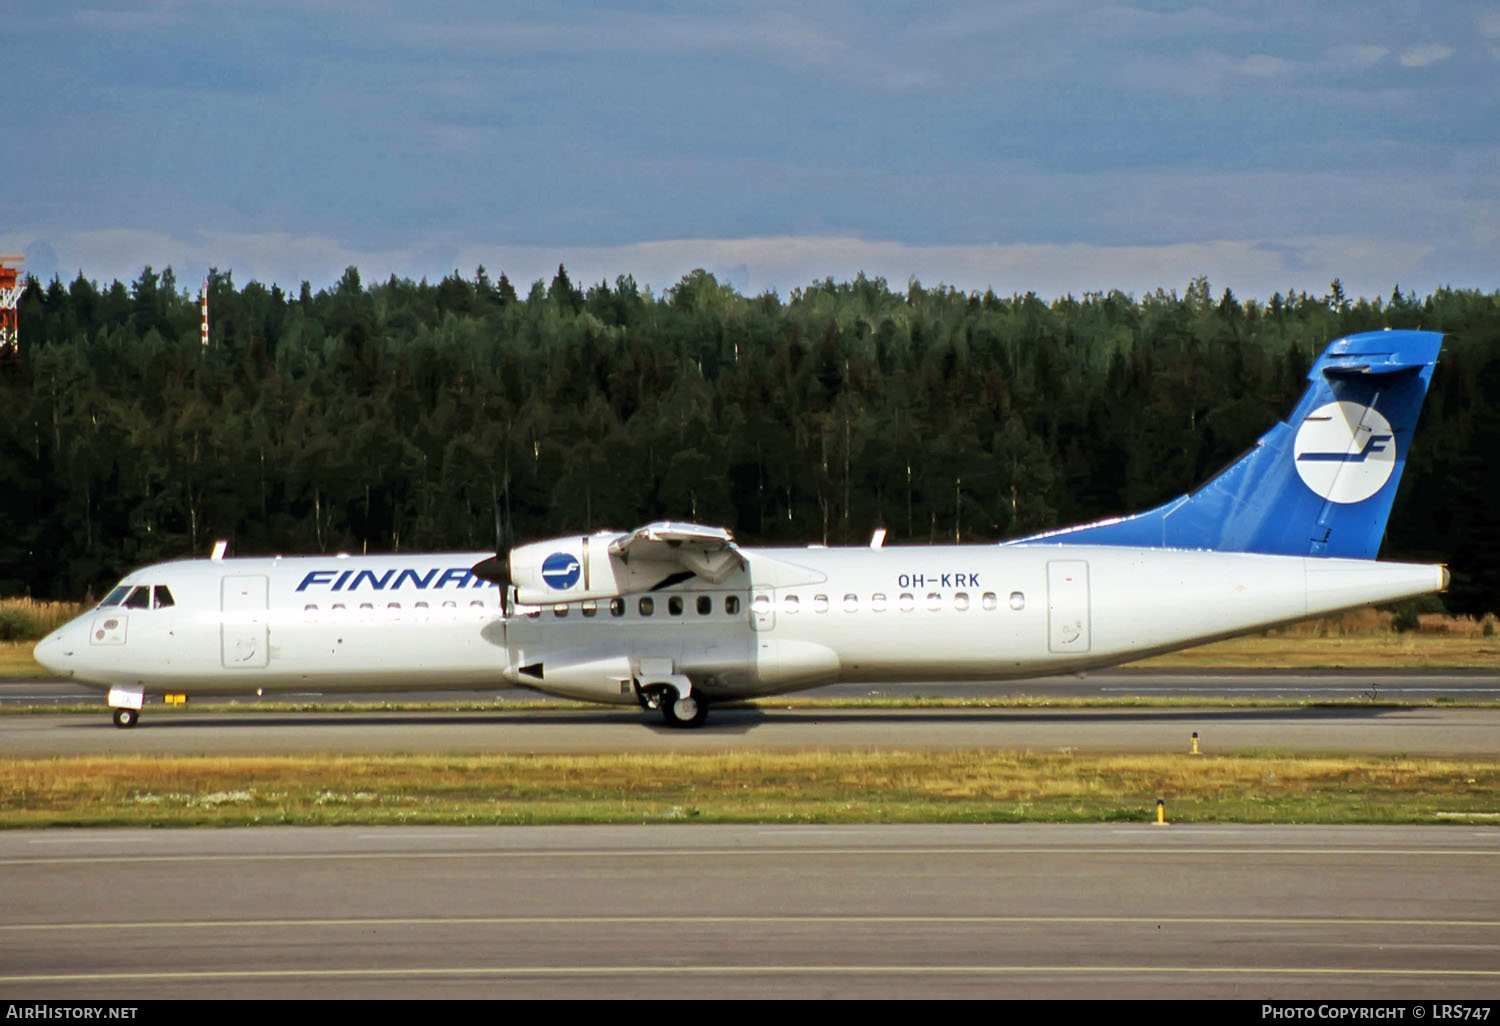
(139, 598)
(163, 597)
(114, 597)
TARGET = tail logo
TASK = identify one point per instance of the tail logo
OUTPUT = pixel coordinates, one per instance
(1345, 452)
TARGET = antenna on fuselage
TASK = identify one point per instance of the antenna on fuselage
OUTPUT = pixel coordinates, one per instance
(220, 547)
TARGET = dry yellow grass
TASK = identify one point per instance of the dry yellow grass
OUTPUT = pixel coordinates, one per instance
(40, 616)
(745, 786)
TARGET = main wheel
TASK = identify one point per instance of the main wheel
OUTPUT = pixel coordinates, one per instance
(126, 718)
(685, 712)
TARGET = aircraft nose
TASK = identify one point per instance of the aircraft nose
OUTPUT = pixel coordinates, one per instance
(55, 651)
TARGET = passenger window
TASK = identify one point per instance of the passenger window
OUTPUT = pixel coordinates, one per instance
(163, 597)
(674, 605)
(961, 601)
(934, 601)
(338, 605)
(589, 608)
(761, 604)
(790, 603)
(731, 604)
(393, 605)
(908, 602)
(421, 605)
(367, 605)
(851, 603)
(820, 603)
(705, 605)
(989, 601)
(647, 607)
(1017, 601)
(877, 602)
(477, 603)
(616, 607)
(450, 605)
(139, 598)
(560, 610)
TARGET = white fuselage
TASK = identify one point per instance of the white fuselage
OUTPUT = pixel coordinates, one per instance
(789, 619)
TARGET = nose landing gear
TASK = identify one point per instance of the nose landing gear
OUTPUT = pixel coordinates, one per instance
(125, 705)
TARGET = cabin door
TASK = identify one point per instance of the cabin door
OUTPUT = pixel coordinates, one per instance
(244, 633)
(1068, 605)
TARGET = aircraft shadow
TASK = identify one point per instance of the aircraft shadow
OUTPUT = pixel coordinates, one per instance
(1043, 715)
(742, 720)
(722, 721)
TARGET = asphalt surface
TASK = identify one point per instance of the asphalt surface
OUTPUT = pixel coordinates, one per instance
(1371, 730)
(1002, 911)
(1107, 911)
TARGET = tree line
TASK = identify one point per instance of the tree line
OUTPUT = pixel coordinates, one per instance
(397, 416)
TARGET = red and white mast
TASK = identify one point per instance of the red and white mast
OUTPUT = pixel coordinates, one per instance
(204, 296)
(12, 282)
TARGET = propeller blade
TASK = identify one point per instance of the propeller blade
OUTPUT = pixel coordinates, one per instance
(496, 568)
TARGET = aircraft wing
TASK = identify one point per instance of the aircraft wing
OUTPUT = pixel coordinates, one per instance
(605, 565)
(708, 552)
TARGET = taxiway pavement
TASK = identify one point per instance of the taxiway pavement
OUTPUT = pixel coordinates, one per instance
(1097, 911)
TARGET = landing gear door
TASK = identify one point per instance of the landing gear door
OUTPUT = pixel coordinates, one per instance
(244, 633)
(763, 608)
(1068, 605)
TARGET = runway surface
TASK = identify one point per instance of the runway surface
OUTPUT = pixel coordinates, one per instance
(1415, 731)
(734, 912)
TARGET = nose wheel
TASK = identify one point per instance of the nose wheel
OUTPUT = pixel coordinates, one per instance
(127, 718)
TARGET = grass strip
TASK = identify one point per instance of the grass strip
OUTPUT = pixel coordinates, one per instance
(742, 787)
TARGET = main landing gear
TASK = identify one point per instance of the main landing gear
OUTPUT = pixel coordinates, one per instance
(690, 711)
(677, 709)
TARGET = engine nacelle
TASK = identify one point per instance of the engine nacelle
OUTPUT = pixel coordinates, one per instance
(604, 565)
(569, 569)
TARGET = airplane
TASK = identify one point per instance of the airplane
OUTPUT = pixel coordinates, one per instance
(677, 617)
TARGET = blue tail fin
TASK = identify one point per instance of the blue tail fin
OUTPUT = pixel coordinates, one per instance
(1320, 484)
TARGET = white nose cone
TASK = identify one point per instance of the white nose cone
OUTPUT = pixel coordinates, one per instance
(53, 652)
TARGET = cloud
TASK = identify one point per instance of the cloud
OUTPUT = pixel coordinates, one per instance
(1489, 28)
(1356, 56)
(1421, 56)
(1367, 265)
(1261, 65)
(819, 42)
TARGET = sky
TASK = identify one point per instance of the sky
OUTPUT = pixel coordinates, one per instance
(1058, 147)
